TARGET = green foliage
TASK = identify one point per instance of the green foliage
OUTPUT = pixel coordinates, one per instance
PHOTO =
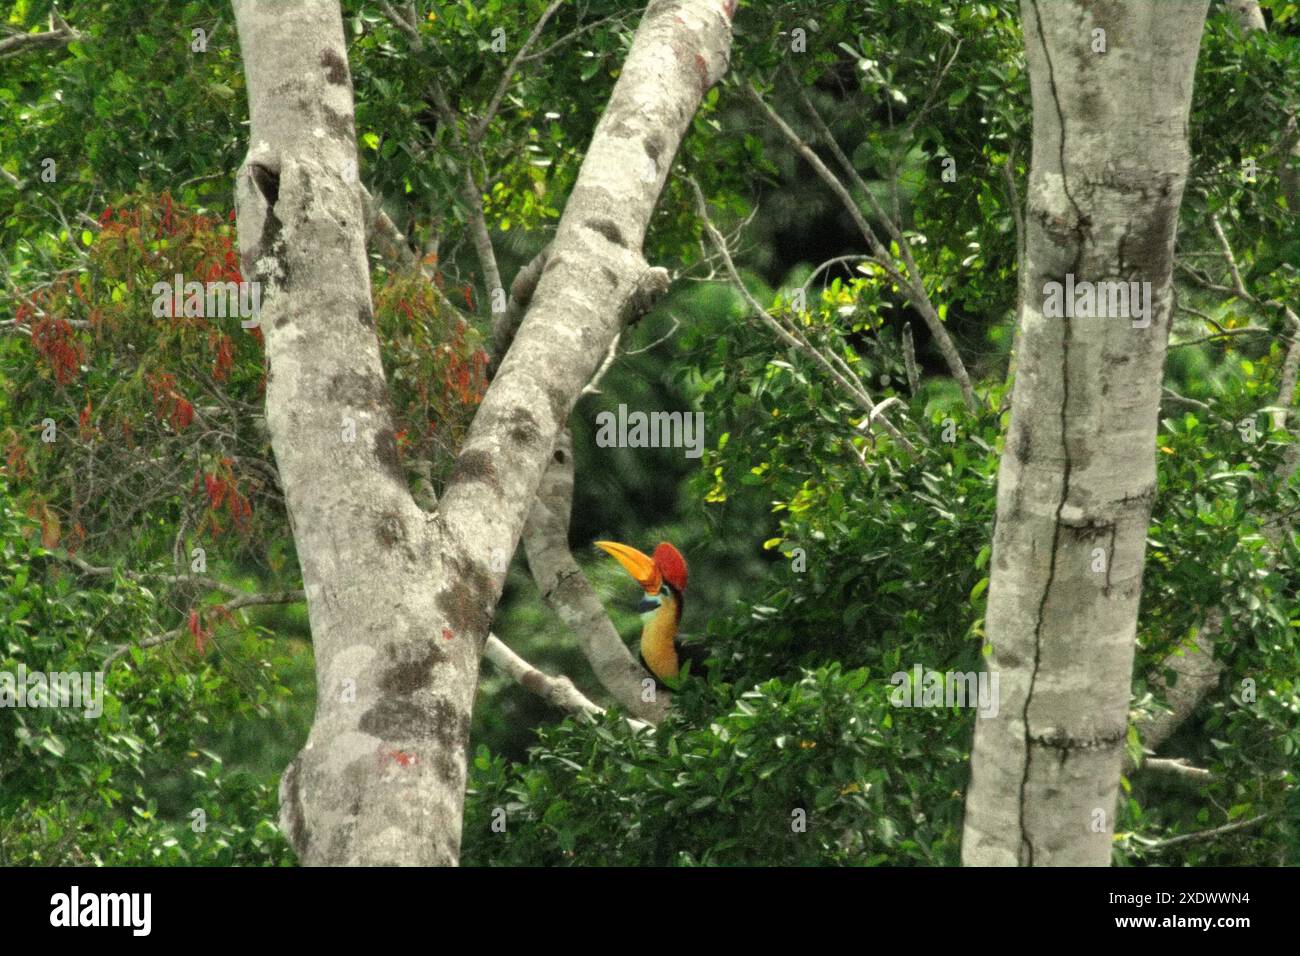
(818, 770)
(121, 782)
(825, 558)
(796, 709)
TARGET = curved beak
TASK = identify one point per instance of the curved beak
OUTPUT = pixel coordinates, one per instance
(640, 566)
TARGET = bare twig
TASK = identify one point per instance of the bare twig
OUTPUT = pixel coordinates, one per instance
(567, 38)
(909, 360)
(1177, 767)
(1287, 379)
(1184, 400)
(1238, 286)
(1218, 336)
(1202, 834)
(408, 26)
(909, 285)
(853, 389)
(832, 262)
(60, 35)
(593, 387)
(245, 599)
(479, 130)
(1017, 214)
(659, 341)
(557, 691)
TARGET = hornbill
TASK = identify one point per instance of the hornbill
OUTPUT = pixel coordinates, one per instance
(663, 577)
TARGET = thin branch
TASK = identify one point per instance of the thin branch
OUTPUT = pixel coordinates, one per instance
(659, 341)
(1018, 215)
(1287, 380)
(174, 579)
(1217, 336)
(568, 38)
(909, 360)
(1177, 767)
(565, 590)
(853, 390)
(931, 95)
(558, 691)
(1183, 399)
(62, 35)
(1238, 286)
(473, 197)
(409, 27)
(380, 224)
(832, 262)
(245, 599)
(593, 387)
(521, 295)
(561, 583)
(1201, 835)
(910, 285)
(479, 130)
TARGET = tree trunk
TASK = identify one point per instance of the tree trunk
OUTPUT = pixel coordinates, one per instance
(400, 600)
(1077, 476)
(1248, 14)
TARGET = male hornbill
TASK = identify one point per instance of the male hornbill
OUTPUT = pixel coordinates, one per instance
(663, 577)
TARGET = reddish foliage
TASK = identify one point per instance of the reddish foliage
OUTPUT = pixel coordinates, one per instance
(241, 511)
(223, 355)
(182, 414)
(216, 489)
(201, 634)
(168, 227)
(54, 341)
(221, 486)
(51, 531)
(15, 455)
(76, 538)
(168, 402)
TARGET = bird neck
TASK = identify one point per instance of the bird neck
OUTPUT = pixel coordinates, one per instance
(659, 637)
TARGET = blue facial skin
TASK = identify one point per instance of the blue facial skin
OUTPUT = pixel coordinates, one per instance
(649, 604)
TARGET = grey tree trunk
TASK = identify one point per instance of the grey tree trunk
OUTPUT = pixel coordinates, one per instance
(1248, 14)
(1077, 476)
(400, 600)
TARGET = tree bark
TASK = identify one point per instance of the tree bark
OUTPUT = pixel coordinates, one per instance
(400, 601)
(1248, 14)
(566, 591)
(1197, 668)
(1077, 476)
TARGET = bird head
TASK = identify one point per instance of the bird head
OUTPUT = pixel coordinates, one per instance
(666, 567)
(663, 578)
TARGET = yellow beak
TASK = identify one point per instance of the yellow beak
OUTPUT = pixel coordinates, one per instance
(640, 566)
